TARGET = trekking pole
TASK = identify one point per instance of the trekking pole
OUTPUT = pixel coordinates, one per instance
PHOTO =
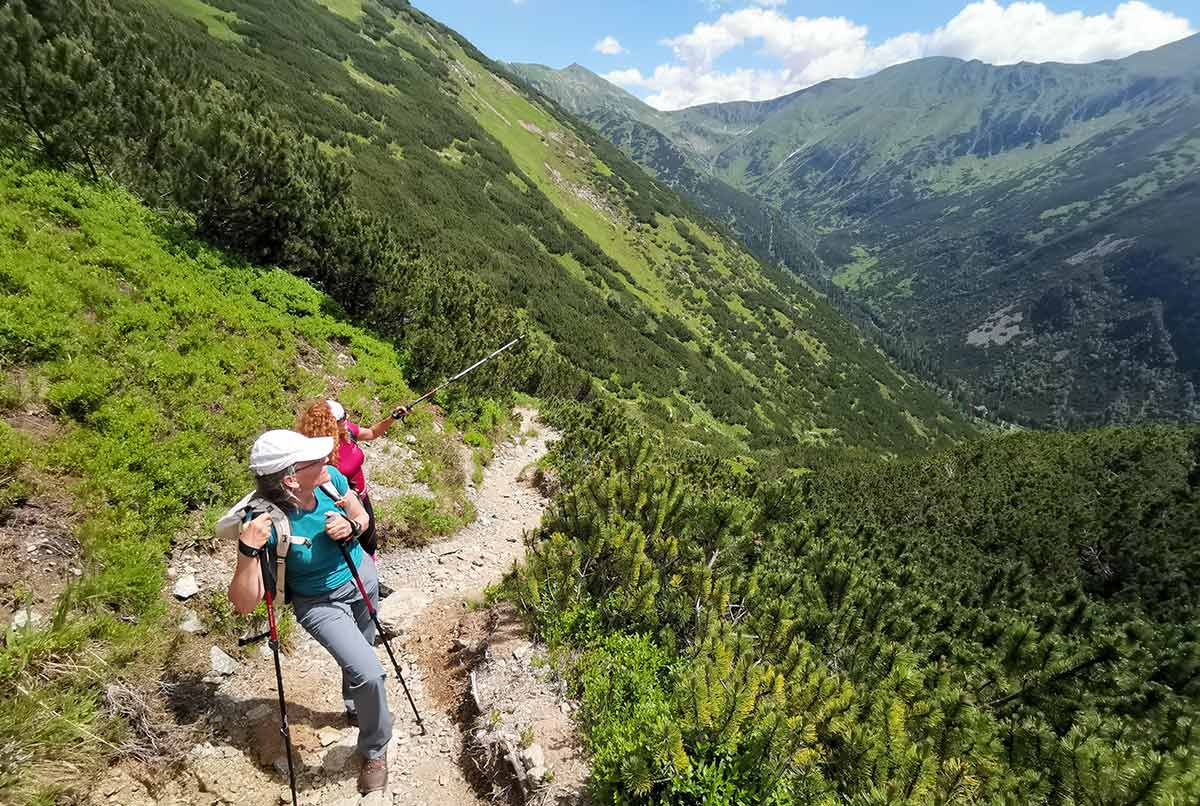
(268, 574)
(341, 544)
(465, 372)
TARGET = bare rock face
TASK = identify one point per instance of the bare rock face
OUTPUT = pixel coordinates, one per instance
(328, 736)
(220, 663)
(191, 623)
(186, 587)
(396, 613)
(533, 756)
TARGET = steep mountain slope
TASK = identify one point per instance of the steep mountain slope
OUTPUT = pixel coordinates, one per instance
(1022, 227)
(630, 283)
(676, 150)
(137, 367)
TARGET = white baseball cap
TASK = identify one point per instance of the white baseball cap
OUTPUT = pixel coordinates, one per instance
(280, 449)
(336, 409)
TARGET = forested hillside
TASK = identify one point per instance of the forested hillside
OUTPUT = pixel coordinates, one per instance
(1018, 232)
(1013, 621)
(371, 150)
(776, 570)
(661, 143)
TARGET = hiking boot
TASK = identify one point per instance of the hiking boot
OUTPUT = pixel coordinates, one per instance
(352, 717)
(373, 775)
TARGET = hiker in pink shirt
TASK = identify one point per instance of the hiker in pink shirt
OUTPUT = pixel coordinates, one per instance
(327, 418)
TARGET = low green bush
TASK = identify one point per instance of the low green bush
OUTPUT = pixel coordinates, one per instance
(162, 360)
(957, 629)
(623, 699)
(15, 485)
(415, 520)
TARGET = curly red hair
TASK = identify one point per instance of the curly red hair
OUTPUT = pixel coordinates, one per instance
(316, 420)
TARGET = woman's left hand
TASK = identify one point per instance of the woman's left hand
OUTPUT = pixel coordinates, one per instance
(336, 526)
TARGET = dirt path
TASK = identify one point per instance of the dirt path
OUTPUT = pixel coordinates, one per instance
(431, 586)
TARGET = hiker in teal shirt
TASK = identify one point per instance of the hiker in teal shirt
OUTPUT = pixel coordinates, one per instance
(316, 565)
(289, 471)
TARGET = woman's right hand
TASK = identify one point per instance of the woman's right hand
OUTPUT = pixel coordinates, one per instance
(257, 532)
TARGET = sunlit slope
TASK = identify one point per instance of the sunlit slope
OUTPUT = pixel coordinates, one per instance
(631, 283)
(1019, 229)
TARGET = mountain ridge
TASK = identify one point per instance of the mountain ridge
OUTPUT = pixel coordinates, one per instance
(928, 182)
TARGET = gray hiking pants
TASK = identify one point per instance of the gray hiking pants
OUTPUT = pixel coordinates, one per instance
(340, 623)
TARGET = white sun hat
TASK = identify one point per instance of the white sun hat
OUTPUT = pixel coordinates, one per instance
(280, 449)
(336, 409)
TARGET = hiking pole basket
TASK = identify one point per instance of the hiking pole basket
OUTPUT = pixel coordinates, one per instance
(267, 562)
(362, 589)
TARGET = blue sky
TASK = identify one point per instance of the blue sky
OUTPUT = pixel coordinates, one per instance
(675, 53)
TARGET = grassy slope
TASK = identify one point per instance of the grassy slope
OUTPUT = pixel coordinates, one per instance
(969, 185)
(568, 172)
(157, 361)
(677, 151)
(696, 330)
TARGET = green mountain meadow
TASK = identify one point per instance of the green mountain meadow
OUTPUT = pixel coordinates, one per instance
(479, 184)
(1018, 233)
(776, 568)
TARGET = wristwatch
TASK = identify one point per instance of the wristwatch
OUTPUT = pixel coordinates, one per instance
(248, 550)
(355, 529)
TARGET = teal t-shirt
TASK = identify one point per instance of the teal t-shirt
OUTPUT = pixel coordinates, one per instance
(317, 566)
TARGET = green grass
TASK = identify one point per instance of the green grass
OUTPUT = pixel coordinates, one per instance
(215, 20)
(350, 9)
(365, 79)
(16, 483)
(160, 360)
(1063, 210)
(858, 274)
(414, 520)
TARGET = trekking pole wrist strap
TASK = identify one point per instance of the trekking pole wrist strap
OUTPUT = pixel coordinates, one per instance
(355, 529)
(249, 551)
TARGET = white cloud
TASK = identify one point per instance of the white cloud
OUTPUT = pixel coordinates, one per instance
(715, 4)
(809, 50)
(609, 46)
(626, 78)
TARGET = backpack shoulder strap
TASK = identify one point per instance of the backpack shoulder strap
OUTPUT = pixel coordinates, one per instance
(332, 492)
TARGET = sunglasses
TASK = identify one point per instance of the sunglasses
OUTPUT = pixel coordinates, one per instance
(306, 465)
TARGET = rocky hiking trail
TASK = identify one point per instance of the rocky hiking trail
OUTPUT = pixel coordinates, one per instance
(448, 649)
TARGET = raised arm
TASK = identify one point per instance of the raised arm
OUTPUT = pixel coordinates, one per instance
(378, 430)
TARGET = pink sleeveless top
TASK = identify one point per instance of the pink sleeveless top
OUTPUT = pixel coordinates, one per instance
(350, 461)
